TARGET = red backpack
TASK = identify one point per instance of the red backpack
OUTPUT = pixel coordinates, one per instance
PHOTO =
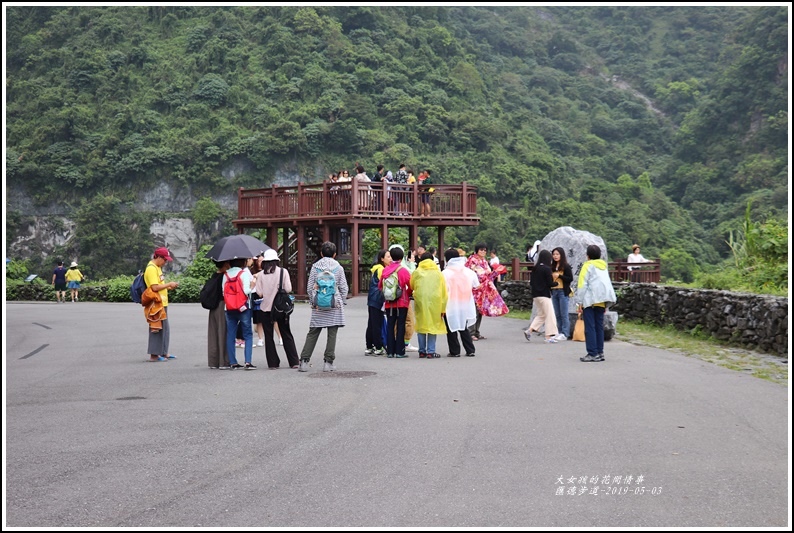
(233, 294)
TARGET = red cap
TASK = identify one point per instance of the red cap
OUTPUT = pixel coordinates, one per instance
(163, 252)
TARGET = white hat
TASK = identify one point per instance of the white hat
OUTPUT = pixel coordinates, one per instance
(74, 264)
(270, 255)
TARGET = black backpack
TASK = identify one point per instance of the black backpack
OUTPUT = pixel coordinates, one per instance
(282, 303)
(137, 288)
(212, 292)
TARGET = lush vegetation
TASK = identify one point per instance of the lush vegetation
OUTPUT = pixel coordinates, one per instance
(655, 125)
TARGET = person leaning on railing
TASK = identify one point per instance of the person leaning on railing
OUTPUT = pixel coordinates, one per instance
(635, 257)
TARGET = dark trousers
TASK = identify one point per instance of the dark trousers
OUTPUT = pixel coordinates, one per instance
(311, 341)
(395, 338)
(475, 329)
(375, 328)
(594, 329)
(452, 340)
(271, 354)
(159, 339)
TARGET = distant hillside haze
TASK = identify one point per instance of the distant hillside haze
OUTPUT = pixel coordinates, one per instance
(649, 125)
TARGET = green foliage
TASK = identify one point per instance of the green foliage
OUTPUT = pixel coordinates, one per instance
(118, 288)
(205, 212)
(760, 253)
(201, 268)
(112, 237)
(678, 265)
(637, 123)
(727, 279)
(16, 269)
(188, 290)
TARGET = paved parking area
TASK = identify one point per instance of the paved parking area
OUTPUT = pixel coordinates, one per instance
(522, 435)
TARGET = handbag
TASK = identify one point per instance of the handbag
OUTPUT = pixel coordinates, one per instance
(578, 329)
(282, 303)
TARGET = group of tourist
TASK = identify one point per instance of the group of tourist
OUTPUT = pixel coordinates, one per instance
(406, 296)
(398, 203)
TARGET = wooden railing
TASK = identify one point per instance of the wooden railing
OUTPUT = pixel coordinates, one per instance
(650, 272)
(376, 199)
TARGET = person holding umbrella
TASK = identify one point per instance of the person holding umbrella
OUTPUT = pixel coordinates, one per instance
(242, 317)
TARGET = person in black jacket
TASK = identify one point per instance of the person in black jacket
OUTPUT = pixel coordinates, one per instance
(563, 276)
(541, 282)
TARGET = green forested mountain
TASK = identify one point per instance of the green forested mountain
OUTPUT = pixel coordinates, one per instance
(653, 125)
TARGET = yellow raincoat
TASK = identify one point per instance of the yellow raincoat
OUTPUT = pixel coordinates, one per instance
(430, 298)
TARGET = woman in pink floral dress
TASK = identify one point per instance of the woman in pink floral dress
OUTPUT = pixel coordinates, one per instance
(486, 297)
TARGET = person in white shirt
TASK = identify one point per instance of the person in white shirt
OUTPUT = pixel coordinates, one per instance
(635, 257)
(494, 261)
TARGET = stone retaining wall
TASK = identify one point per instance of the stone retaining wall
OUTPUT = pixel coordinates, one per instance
(754, 321)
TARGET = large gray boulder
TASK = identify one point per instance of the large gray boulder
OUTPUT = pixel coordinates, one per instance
(575, 243)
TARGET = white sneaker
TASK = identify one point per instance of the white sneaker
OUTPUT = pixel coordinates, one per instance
(561, 337)
(260, 342)
(411, 348)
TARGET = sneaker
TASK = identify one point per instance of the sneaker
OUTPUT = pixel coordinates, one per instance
(391, 355)
(379, 352)
(600, 357)
(411, 348)
(222, 368)
(453, 355)
(552, 340)
(369, 351)
(249, 366)
(590, 359)
(260, 342)
(469, 355)
(561, 337)
(329, 366)
(433, 355)
(422, 355)
(214, 367)
(527, 335)
(400, 355)
(304, 366)
(235, 366)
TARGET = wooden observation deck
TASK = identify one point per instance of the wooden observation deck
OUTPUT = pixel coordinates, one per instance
(339, 212)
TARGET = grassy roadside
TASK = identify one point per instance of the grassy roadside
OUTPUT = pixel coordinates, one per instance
(761, 365)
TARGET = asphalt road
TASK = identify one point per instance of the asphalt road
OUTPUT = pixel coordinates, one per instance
(514, 437)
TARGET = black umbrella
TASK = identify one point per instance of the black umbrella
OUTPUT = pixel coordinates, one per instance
(236, 247)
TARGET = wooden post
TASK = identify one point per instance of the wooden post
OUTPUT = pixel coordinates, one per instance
(441, 247)
(384, 236)
(516, 266)
(413, 236)
(354, 261)
(301, 277)
(463, 201)
(415, 202)
(285, 251)
(272, 238)
(354, 197)
(326, 199)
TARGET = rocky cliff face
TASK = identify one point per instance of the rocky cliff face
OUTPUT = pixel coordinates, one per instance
(49, 226)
